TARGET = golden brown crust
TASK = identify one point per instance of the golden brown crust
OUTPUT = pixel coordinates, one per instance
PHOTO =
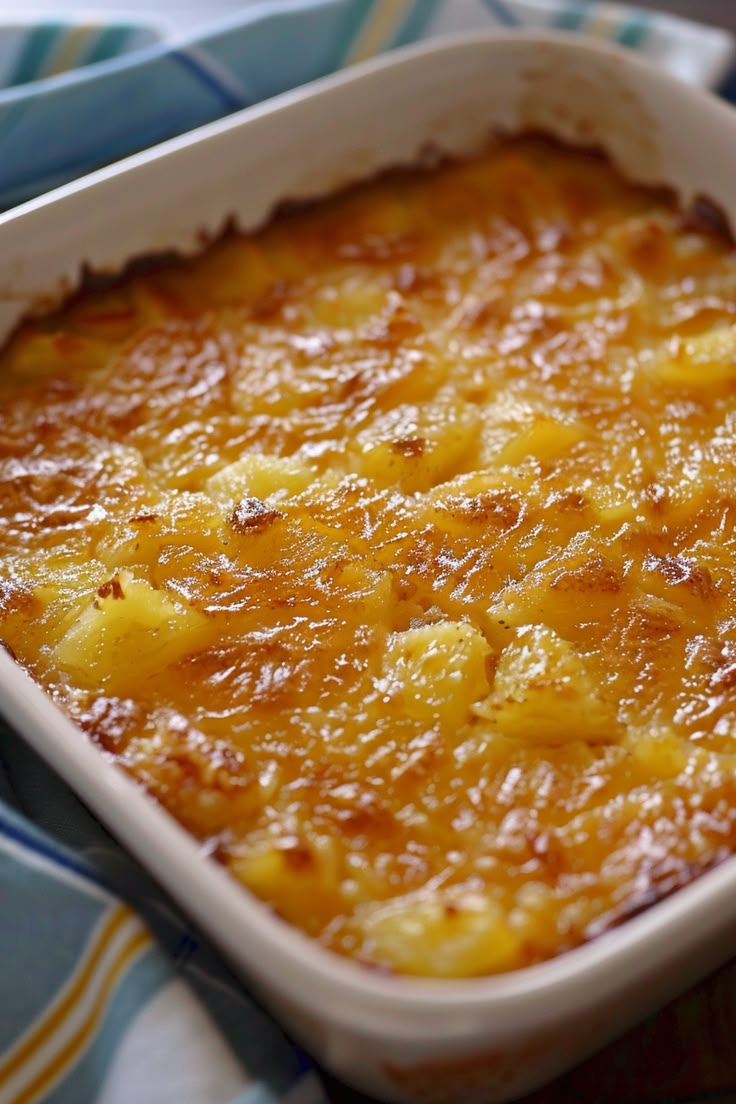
(391, 549)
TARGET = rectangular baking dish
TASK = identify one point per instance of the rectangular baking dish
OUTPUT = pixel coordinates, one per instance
(401, 1039)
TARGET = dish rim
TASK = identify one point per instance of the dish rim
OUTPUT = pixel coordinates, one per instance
(458, 41)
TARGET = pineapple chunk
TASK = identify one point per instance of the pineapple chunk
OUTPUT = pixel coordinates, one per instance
(583, 584)
(660, 754)
(546, 439)
(543, 693)
(417, 448)
(128, 632)
(260, 476)
(438, 670)
(236, 268)
(462, 935)
(298, 876)
(351, 301)
(32, 353)
(699, 363)
(614, 505)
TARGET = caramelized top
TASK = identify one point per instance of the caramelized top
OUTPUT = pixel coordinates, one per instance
(392, 550)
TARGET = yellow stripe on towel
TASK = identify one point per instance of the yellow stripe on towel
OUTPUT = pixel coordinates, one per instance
(76, 1045)
(54, 1042)
(69, 51)
(379, 28)
(600, 26)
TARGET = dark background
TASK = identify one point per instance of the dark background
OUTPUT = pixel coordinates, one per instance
(720, 12)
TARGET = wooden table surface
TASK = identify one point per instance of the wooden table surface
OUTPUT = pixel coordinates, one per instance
(685, 1054)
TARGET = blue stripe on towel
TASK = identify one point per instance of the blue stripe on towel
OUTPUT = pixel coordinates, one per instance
(108, 44)
(503, 13)
(13, 828)
(416, 22)
(194, 63)
(574, 16)
(36, 50)
(634, 30)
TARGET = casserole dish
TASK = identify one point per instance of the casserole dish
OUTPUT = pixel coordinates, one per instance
(398, 1038)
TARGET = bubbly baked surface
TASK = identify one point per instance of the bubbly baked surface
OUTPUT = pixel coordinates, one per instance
(392, 550)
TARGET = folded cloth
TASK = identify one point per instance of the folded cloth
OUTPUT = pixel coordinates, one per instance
(103, 1003)
(35, 49)
(58, 128)
(107, 995)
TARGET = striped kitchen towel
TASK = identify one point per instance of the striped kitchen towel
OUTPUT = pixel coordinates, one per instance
(35, 50)
(61, 126)
(101, 1003)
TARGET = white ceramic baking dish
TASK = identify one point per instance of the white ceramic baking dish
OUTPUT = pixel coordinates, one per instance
(399, 1038)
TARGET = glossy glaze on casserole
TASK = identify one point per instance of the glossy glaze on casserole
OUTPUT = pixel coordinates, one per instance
(392, 550)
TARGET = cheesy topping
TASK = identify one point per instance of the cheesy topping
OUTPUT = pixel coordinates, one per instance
(391, 549)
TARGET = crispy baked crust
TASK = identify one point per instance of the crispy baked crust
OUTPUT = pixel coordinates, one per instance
(391, 549)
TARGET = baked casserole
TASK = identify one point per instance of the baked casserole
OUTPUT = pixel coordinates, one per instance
(391, 550)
